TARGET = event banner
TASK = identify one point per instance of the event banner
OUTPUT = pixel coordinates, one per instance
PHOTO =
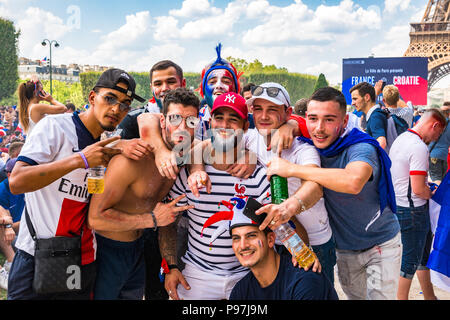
(408, 74)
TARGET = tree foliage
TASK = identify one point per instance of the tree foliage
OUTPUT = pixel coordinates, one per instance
(66, 92)
(321, 82)
(9, 74)
(254, 67)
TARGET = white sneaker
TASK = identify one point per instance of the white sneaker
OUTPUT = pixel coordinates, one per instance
(3, 279)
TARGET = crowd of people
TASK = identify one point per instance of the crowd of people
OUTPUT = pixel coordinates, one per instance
(172, 221)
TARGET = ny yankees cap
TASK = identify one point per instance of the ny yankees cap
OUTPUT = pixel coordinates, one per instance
(111, 77)
(231, 100)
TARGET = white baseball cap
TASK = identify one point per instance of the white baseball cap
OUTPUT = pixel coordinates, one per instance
(267, 92)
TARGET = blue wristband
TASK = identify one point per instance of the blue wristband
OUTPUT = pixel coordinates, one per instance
(86, 163)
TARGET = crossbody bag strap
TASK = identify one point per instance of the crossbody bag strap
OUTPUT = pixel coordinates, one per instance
(29, 224)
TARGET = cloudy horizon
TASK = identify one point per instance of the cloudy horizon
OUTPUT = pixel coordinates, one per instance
(303, 36)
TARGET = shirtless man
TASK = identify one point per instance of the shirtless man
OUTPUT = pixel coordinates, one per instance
(129, 204)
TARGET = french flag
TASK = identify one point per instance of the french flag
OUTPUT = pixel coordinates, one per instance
(439, 260)
(44, 60)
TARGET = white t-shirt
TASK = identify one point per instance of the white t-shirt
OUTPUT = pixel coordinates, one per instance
(59, 209)
(409, 156)
(315, 219)
(217, 257)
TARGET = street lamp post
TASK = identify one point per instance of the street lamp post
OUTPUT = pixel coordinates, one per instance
(56, 44)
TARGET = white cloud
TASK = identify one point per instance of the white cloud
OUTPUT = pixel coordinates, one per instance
(218, 23)
(130, 34)
(330, 70)
(298, 24)
(194, 8)
(166, 28)
(391, 6)
(145, 61)
(96, 31)
(35, 25)
(394, 42)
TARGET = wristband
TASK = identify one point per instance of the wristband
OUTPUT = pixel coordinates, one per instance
(155, 226)
(302, 205)
(86, 163)
(173, 266)
(8, 225)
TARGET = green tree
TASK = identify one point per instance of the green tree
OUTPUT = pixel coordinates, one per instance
(321, 82)
(66, 92)
(9, 61)
(254, 67)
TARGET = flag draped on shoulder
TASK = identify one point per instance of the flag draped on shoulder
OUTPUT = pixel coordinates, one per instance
(439, 260)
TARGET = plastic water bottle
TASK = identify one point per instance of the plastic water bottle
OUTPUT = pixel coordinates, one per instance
(291, 240)
(285, 233)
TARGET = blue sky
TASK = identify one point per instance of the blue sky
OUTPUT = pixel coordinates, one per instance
(303, 36)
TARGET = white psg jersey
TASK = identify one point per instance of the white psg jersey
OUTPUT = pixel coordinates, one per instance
(59, 209)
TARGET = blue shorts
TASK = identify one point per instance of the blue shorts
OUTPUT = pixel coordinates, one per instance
(20, 281)
(414, 226)
(120, 269)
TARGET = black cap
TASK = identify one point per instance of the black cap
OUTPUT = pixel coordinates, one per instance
(249, 211)
(111, 77)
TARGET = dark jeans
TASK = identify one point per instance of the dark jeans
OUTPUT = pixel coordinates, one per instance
(414, 226)
(120, 269)
(326, 253)
(21, 276)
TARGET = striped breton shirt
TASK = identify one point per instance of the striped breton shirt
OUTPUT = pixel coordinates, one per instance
(217, 257)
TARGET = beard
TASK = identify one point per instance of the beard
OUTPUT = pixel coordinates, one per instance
(181, 149)
(107, 128)
(221, 144)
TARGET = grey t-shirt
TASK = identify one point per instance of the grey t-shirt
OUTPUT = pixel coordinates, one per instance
(355, 220)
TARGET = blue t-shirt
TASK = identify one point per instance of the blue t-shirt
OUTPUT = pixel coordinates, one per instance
(291, 283)
(355, 220)
(377, 124)
(440, 151)
(12, 202)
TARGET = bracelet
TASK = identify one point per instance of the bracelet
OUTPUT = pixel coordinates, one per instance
(155, 226)
(302, 205)
(86, 163)
(8, 225)
(173, 266)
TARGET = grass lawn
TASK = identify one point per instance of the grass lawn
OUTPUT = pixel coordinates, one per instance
(2, 292)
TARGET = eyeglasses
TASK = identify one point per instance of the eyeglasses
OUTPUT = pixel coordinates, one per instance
(111, 101)
(271, 92)
(175, 120)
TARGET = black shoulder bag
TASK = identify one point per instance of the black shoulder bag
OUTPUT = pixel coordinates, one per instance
(56, 260)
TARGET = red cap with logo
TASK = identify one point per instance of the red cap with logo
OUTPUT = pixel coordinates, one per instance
(231, 100)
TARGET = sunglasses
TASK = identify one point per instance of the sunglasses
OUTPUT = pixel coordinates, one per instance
(111, 101)
(271, 91)
(191, 121)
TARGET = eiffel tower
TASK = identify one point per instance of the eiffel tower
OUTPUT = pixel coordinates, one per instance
(431, 38)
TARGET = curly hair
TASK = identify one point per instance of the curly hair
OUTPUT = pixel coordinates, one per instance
(183, 96)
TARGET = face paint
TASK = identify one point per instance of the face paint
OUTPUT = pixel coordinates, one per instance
(260, 243)
(158, 101)
(218, 81)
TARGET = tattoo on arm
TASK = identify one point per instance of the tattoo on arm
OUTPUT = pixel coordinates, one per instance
(167, 238)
